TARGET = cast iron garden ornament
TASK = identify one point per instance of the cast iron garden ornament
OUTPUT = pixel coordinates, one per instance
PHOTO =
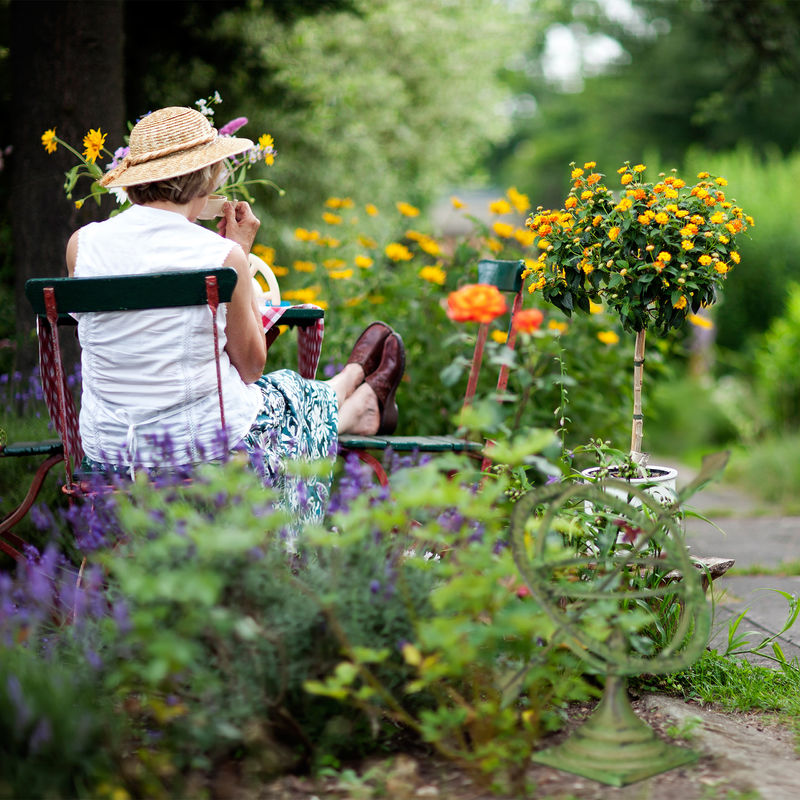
(601, 597)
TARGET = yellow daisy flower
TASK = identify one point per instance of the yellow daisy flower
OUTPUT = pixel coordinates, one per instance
(49, 141)
(608, 337)
(407, 210)
(93, 143)
(398, 252)
(433, 275)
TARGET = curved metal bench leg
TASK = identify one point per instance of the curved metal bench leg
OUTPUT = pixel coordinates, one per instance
(10, 520)
(372, 463)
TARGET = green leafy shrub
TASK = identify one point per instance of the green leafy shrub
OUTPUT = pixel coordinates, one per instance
(777, 370)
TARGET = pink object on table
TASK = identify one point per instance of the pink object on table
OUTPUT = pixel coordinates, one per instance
(309, 337)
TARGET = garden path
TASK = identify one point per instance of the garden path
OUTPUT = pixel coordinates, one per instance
(764, 543)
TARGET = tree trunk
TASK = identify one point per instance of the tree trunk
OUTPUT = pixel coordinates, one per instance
(67, 73)
(638, 418)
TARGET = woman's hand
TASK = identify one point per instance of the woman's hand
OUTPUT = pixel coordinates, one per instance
(239, 224)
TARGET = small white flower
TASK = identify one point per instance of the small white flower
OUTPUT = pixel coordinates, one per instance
(120, 195)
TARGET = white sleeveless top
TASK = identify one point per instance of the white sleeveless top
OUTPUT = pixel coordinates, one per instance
(150, 376)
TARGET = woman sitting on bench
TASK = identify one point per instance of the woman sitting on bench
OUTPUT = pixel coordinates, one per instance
(149, 377)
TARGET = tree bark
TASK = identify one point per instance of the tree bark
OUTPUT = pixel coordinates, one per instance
(67, 71)
(638, 417)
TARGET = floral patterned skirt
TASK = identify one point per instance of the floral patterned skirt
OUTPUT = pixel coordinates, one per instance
(297, 421)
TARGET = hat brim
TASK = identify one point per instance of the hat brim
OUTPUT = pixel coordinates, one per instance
(175, 164)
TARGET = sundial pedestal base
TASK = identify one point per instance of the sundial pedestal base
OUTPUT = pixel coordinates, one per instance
(614, 746)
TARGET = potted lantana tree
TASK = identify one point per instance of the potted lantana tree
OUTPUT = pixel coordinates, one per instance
(652, 252)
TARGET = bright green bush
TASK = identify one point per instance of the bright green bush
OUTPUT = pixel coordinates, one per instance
(777, 367)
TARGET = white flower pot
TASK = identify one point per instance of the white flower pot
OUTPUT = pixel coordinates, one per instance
(661, 484)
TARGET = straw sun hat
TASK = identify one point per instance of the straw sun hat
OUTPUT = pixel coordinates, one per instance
(170, 142)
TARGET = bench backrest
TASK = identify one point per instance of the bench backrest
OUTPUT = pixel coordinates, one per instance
(55, 299)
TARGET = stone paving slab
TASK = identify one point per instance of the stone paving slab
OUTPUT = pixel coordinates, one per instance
(755, 537)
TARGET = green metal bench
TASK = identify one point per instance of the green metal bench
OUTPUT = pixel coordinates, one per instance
(51, 450)
(507, 277)
(54, 300)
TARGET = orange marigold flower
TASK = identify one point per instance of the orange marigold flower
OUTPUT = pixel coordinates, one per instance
(681, 303)
(662, 218)
(528, 320)
(735, 257)
(613, 233)
(590, 165)
(476, 302)
(639, 168)
(571, 202)
(626, 179)
(576, 173)
(594, 178)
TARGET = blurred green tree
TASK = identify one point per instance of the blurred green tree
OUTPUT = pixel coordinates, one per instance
(714, 73)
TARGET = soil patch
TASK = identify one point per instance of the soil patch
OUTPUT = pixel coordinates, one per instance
(742, 756)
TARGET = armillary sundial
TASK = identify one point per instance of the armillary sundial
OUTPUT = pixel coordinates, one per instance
(601, 593)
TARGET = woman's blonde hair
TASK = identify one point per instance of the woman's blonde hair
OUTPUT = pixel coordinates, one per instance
(180, 189)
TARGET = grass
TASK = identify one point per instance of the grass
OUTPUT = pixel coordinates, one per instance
(734, 685)
(785, 569)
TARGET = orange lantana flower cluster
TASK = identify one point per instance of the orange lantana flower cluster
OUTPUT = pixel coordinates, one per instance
(653, 252)
(476, 302)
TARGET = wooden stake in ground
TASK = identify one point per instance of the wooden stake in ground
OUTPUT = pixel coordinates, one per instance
(638, 417)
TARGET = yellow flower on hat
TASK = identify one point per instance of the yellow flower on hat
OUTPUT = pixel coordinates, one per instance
(93, 143)
(49, 141)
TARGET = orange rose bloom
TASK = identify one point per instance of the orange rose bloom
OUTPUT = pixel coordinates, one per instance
(528, 321)
(477, 302)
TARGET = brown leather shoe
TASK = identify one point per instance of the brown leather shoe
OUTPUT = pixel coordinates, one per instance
(385, 380)
(369, 346)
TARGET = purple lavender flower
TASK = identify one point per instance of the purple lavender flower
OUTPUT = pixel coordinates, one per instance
(231, 127)
(22, 711)
(119, 154)
(42, 734)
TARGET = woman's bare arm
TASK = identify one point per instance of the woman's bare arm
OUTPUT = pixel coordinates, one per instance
(246, 346)
(72, 253)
